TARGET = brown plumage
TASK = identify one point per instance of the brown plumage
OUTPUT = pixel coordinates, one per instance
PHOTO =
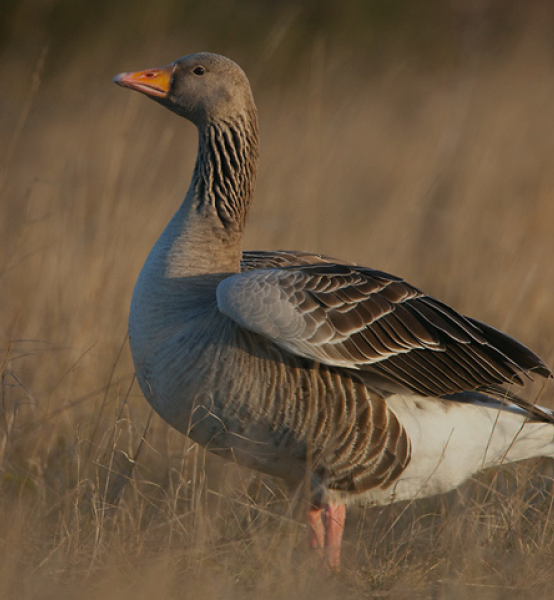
(303, 366)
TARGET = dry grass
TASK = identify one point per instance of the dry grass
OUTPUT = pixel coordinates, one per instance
(444, 176)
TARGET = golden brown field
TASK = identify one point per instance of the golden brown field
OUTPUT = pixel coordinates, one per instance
(436, 164)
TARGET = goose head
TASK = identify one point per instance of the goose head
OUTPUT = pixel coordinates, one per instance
(201, 87)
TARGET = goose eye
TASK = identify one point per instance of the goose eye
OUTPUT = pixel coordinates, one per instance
(199, 70)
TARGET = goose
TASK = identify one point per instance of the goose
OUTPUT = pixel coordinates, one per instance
(340, 378)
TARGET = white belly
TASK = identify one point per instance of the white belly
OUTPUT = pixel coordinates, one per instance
(451, 441)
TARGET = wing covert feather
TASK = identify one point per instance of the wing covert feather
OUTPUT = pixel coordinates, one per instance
(358, 318)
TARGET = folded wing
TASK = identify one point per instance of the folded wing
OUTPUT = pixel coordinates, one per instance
(358, 318)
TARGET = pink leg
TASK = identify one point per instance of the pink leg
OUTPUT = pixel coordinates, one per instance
(335, 514)
(316, 531)
(326, 526)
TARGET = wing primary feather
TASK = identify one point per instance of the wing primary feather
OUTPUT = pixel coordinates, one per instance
(440, 321)
(510, 347)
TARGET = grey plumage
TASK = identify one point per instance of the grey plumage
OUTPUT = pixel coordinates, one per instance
(300, 365)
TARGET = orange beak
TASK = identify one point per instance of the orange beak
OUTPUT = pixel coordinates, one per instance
(153, 82)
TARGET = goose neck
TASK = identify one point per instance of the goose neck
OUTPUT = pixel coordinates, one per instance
(207, 230)
(225, 171)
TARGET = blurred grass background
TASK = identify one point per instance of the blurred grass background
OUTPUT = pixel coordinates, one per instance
(414, 137)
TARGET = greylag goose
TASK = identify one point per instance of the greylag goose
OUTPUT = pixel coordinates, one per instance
(301, 366)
